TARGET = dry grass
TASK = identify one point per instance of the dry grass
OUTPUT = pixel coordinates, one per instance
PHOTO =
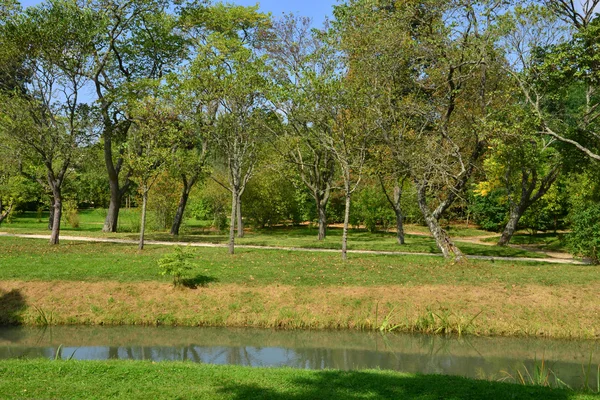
(571, 311)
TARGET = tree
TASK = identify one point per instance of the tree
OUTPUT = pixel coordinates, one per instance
(301, 71)
(229, 77)
(149, 147)
(434, 70)
(134, 41)
(48, 122)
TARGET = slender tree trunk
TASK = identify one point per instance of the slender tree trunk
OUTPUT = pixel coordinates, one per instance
(240, 221)
(399, 226)
(185, 194)
(51, 214)
(112, 215)
(57, 207)
(442, 240)
(234, 197)
(143, 224)
(513, 220)
(322, 218)
(345, 231)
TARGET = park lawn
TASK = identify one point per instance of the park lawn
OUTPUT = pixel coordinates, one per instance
(168, 380)
(34, 259)
(543, 241)
(103, 283)
(294, 237)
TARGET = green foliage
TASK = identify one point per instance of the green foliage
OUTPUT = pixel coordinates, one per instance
(371, 209)
(585, 237)
(490, 211)
(70, 213)
(176, 264)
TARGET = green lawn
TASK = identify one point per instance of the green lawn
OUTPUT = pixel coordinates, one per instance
(34, 259)
(145, 380)
(305, 237)
(543, 241)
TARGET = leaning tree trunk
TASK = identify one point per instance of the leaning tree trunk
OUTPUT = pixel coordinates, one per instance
(442, 240)
(345, 231)
(240, 221)
(57, 213)
(4, 214)
(234, 198)
(51, 214)
(143, 222)
(185, 195)
(511, 227)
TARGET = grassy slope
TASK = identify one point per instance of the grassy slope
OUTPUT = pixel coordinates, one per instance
(100, 283)
(91, 224)
(144, 380)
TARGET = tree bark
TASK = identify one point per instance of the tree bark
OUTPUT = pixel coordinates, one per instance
(185, 194)
(345, 231)
(57, 213)
(112, 215)
(442, 240)
(399, 227)
(4, 214)
(143, 224)
(240, 221)
(51, 214)
(322, 218)
(234, 197)
(510, 228)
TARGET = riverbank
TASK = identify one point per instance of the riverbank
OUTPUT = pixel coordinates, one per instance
(143, 380)
(570, 311)
(115, 284)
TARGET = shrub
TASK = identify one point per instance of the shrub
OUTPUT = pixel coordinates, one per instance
(70, 214)
(584, 241)
(176, 264)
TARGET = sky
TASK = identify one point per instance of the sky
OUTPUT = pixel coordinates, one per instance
(315, 9)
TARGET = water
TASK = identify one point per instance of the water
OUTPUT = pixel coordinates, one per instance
(474, 357)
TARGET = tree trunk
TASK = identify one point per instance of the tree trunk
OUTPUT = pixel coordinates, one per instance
(57, 207)
(322, 215)
(234, 197)
(185, 194)
(399, 226)
(4, 214)
(442, 240)
(345, 231)
(112, 216)
(143, 224)
(240, 221)
(509, 230)
(51, 214)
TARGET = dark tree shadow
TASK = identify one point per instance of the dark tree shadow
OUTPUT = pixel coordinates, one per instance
(198, 281)
(12, 305)
(369, 385)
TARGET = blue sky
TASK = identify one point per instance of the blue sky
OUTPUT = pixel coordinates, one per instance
(315, 9)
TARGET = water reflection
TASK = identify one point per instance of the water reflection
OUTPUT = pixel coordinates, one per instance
(470, 357)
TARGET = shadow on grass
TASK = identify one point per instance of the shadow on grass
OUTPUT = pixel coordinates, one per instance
(198, 281)
(12, 304)
(365, 384)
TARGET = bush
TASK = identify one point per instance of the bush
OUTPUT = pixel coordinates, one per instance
(176, 264)
(584, 241)
(490, 212)
(70, 215)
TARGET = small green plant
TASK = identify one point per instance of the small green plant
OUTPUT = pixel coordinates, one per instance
(43, 318)
(386, 325)
(540, 375)
(70, 213)
(177, 264)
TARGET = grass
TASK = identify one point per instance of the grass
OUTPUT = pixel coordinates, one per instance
(305, 237)
(33, 259)
(143, 380)
(543, 241)
(104, 283)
